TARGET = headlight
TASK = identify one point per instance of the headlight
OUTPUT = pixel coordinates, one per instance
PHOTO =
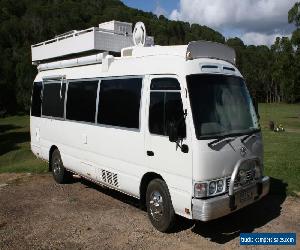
(200, 190)
(212, 187)
(220, 185)
(209, 188)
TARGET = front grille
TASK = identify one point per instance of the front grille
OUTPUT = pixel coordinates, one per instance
(228, 182)
(250, 177)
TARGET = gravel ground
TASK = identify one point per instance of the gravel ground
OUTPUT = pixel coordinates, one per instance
(37, 213)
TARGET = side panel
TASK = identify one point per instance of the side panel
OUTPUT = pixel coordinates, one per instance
(35, 114)
(108, 154)
(35, 126)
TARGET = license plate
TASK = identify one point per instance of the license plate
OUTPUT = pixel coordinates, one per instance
(246, 195)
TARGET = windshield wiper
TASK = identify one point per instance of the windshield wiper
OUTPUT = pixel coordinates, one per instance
(249, 135)
(226, 138)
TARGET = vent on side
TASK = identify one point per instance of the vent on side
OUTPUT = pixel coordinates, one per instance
(228, 69)
(110, 178)
(210, 68)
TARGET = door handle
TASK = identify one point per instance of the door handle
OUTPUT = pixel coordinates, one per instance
(150, 153)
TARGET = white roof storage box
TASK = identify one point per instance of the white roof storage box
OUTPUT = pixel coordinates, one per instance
(113, 37)
(117, 27)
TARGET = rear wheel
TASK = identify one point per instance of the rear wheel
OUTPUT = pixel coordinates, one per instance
(60, 174)
(159, 206)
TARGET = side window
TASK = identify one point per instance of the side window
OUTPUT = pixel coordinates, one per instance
(53, 99)
(157, 113)
(119, 102)
(36, 99)
(165, 107)
(164, 84)
(81, 101)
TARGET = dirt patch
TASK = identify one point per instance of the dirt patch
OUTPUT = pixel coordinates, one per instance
(9, 178)
(35, 212)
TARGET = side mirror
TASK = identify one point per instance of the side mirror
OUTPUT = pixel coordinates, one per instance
(184, 148)
(173, 132)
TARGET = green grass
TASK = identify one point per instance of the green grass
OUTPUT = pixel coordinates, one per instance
(282, 150)
(15, 153)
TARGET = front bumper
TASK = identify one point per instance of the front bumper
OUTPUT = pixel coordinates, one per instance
(219, 206)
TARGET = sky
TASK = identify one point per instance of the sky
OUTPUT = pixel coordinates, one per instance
(256, 22)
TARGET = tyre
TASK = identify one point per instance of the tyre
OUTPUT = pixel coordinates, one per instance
(60, 174)
(159, 206)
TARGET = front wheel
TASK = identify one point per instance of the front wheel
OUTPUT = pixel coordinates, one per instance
(159, 206)
(60, 174)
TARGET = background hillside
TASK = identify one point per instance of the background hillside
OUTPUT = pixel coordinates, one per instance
(272, 74)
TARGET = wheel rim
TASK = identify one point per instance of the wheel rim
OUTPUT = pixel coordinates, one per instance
(156, 205)
(57, 166)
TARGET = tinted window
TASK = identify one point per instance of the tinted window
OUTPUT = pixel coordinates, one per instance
(174, 112)
(156, 115)
(81, 101)
(165, 84)
(53, 99)
(119, 102)
(166, 107)
(36, 100)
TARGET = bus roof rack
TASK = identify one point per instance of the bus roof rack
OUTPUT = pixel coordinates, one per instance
(93, 45)
(109, 37)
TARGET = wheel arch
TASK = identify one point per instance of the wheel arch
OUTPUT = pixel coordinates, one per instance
(146, 179)
(53, 147)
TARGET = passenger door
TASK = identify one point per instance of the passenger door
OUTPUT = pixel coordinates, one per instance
(164, 104)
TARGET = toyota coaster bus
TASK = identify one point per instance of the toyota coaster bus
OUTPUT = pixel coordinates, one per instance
(173, 126)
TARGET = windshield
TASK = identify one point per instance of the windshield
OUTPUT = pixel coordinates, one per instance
(221, 105)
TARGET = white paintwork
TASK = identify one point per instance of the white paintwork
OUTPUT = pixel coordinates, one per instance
(92, 39)
(117, 27)
(88, 148)
(86, 60)
(110, 36)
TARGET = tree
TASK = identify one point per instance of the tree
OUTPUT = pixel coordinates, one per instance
(294, 17)
(283, 70)
(294, 14)
(238, 45)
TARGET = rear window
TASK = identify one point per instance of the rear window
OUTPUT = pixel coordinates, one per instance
(53, 99)
(36, 100)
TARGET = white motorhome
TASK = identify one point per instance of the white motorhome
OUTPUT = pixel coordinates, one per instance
(171, 125)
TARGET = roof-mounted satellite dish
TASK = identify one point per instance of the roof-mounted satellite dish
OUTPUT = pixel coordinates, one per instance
(139, 34)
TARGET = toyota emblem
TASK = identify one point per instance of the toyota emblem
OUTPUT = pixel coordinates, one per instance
(243, 151)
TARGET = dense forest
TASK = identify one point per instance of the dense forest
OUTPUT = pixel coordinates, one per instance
(272, 74)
